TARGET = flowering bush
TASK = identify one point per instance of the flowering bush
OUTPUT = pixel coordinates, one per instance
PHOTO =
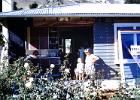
(13, 76)
(20, 80)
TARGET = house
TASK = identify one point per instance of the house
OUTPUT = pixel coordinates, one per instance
(111, 30)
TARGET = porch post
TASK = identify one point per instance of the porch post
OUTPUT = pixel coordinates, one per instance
(4, 53)
(121, 60)
(6, 6)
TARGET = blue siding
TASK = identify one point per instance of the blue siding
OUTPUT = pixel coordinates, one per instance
(138, 28)
(103, 33)
(104, 47)
(124, 28)
(132, 71)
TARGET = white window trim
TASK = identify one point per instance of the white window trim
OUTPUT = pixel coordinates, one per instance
(121, 59)
(116, 25)
(120, 46)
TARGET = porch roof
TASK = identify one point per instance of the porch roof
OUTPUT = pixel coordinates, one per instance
(79, 10)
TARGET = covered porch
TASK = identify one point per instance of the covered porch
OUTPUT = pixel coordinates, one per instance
(48, 30)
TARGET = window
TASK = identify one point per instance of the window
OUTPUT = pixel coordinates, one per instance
(122, 27)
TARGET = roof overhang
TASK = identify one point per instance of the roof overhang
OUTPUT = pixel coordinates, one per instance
(80, 10)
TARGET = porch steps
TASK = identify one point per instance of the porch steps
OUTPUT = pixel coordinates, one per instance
(106, 52)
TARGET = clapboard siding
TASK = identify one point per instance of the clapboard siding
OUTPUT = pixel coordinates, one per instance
(132, 72)
(104, 45)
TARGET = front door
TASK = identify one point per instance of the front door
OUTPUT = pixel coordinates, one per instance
(129, 44)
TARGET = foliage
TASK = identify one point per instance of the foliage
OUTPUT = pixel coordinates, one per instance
(15, 6)
(22, 81)
(34, 5)
(13, 75)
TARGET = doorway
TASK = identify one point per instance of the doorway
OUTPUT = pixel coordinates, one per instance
(75, 38)
(79, 36)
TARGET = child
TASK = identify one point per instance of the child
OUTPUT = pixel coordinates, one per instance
(79, 70)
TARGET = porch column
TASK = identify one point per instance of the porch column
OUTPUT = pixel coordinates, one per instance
(4, 52)
(6, 6)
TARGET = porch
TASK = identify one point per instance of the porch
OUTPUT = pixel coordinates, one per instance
(45, 32)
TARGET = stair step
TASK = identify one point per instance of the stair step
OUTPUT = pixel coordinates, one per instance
(103, 44)
(104, 55)
(104, 52)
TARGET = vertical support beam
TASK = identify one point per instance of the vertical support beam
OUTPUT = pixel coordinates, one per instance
(121, 60)
(27, 42)
(6, 6)
(4, 53)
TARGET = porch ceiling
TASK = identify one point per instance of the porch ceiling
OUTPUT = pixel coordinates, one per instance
(63, 21)
(80, 10)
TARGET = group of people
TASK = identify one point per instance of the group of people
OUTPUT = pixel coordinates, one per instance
(85, 65)
(85, 68)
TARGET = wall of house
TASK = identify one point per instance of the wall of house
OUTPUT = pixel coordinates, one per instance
(104, 46)
(104, 40)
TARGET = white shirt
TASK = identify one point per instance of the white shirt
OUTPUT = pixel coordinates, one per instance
(89, 64)
(89, 59)
(80, 68)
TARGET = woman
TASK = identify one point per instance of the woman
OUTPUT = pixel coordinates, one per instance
(89, 63)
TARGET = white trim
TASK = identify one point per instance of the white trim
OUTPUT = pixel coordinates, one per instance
(121, 59)
(116, 44)
(134, 43)
(135, 39)
(116, 25)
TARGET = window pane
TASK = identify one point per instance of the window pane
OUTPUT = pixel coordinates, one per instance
(138, 39)
(127, 41)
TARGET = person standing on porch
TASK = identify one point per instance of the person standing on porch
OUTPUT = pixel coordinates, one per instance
(89, 63)
(61, 55)
(79, 70)
(81, 53)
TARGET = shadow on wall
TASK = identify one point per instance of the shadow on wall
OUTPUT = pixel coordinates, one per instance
(103, 70)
